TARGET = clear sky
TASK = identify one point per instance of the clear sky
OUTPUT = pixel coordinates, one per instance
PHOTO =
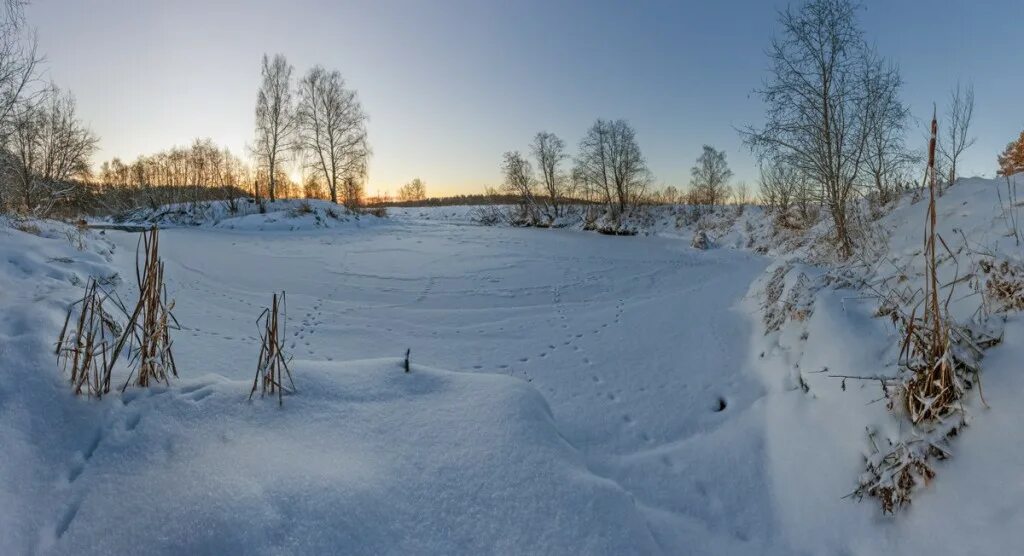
(451, 85)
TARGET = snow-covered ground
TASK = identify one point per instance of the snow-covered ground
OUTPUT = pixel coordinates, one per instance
(580, 416)
(570, 393)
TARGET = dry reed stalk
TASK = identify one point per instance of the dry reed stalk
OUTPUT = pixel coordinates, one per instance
(272, 366)
(148, 331)
(934, 386)
(943, 360)
(83, 350)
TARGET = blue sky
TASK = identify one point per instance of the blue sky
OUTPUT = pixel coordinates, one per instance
(451, 85)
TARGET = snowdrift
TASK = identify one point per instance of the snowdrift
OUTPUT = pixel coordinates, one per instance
(365, 459)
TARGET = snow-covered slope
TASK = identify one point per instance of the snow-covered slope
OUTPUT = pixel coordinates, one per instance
(41, 425)
(820, 322)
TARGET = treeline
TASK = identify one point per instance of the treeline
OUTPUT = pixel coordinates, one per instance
(608, 171)
(836, 130)
(315, 125)
(492, 198)
(199, 172)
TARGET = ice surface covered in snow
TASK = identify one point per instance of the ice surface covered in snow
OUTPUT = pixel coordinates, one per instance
(603, 394)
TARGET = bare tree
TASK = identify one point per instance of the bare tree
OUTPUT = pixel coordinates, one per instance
(549, 152)
(415, 190)
(332, 128)
(741, 193)
(275, 121)
(816, 101)
(886, 156)
(610, 165)
(48, 149)
(957, 138)
(670, 195)
(783, 189)
(18, 61)
(519, 182)
(710, 177)
(353, 190)
(776, 190)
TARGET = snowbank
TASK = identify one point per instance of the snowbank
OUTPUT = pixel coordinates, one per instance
(734, 227)
(40, 274)
(822, 321)
(244, 214)
(366, 459)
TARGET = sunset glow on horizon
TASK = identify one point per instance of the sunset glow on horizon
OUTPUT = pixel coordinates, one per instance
(449, 86)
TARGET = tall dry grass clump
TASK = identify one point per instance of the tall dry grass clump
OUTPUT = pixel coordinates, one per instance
(90, 344)
(933, 386)
(147, 334)
(941, 362)
(86, 341)
(272, 367)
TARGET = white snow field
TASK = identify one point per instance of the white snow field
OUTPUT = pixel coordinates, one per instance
(571, 393)
(576, 415)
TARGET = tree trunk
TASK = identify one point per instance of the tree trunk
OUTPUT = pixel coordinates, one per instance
(842, 234)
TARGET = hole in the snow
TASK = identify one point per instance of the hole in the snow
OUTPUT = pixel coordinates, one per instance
(720, 406)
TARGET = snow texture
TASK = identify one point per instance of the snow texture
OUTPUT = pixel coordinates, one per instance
(570, 392)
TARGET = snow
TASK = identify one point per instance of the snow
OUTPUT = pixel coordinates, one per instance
(244, 214)
(570, 392)
(817, 438)
(547, 437)
(366, 457)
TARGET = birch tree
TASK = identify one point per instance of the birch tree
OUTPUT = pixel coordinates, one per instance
(275, 119)
(520, 183)
(549, 152)
(332, 129)
(611, 166)
(710, 177)
(886, 156)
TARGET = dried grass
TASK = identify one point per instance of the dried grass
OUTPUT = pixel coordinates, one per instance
(1004, 285)
(773, 315)
(86, 341)
(27, 227)
(933, 387)
(147, 334)
(272, 367)
(940, 361)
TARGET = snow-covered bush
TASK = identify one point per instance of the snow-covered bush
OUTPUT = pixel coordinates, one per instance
(700, 240)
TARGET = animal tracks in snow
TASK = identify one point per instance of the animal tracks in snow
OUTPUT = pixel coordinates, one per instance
(120, 423)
